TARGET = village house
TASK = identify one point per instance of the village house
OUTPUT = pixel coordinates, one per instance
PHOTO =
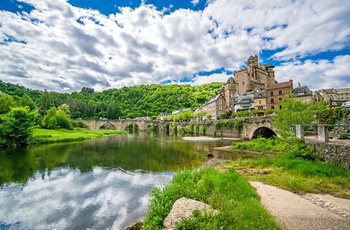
(303, 94)
(275, 93)
(243, 101)
(342, 94)
(328, 94)
(260, 100)
(254, 76)
(215, 107)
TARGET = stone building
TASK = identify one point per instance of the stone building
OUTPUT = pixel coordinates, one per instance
(254, 76)
(275, 93)
(215, 106)
(260, 101)
(227, 91)
(343, 94)
(303, 94)
(243, 101)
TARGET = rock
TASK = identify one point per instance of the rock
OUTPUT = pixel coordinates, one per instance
(183, 208)
(134, 226)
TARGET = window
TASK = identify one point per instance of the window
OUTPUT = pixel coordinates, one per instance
(242, 77)
(237, 84)
(220, 102)
(280, 99)
(280, 106)
(272, 107)
(272, 100)
(220, 107)
(271, 93)
(280, 92)
(259, 102)
(242, 83)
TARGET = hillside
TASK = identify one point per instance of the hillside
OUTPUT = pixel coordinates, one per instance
(127, 102)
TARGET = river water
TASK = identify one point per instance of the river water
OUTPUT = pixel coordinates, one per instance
(95, 184)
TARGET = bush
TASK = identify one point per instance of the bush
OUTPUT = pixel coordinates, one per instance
(331, 116)
(17, 125)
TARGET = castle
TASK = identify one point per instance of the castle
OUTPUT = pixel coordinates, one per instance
(254, 77)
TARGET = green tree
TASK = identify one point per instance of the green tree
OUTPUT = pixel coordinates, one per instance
(292, 112)
(57, 118)
(17, 125)
(6, 103)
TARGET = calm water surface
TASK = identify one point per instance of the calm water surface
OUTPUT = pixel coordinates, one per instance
(96, 184)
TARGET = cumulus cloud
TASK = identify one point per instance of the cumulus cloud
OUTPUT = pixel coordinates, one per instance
(317, 74)
(57, 46)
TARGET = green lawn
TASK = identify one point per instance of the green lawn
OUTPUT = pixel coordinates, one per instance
(50, 136)
(293, 168)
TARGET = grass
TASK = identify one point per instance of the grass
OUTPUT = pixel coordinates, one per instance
(51, 136)
(229, 193)
(293, 169)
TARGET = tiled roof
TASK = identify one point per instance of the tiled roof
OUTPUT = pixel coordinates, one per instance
(280, 85)
(213, 99)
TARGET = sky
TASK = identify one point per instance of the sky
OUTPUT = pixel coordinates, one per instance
(65, 45)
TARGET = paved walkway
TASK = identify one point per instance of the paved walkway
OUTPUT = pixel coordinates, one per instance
(311, 211)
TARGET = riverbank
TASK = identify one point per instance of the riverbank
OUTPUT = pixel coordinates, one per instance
(41, 136)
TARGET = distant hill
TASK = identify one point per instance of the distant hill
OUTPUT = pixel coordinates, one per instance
(127, 102)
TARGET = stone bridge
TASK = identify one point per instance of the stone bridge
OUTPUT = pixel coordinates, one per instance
(258, 127)
(119, 124)
(253, 128)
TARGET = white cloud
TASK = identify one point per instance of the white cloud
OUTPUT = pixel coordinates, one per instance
(319, 74)
(64, 47)
(194, 2)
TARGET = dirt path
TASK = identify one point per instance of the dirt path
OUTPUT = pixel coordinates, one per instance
(311, 211)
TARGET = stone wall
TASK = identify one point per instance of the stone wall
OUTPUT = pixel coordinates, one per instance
(332, 153)
(204, 129)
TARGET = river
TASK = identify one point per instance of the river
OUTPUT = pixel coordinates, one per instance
(95, 184)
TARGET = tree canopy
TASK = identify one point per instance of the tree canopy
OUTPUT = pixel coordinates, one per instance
(127, 102)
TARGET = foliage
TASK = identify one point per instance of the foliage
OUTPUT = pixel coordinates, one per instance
(127, 102)
(236, 124)
(200, 114)
(6, 103)
(293, 112)
(290, 147)
(268, 111)
(244, 113)
(57, 118)
(229, 193)
(331, 116)
(17, 125)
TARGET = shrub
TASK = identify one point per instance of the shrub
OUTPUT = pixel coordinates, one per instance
(17, 125)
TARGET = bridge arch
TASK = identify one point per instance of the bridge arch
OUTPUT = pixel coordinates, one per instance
(132, 127)
(263, 132)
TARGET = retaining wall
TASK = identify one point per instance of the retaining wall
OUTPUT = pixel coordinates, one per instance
(332, 153)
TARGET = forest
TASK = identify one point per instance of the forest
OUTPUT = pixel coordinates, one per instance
(127, 102)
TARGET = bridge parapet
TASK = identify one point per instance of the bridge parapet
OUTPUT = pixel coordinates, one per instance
(119, 124)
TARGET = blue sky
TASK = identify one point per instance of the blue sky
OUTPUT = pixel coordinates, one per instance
(64, 45)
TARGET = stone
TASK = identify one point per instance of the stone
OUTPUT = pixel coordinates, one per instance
(183, 208)
(134, 226)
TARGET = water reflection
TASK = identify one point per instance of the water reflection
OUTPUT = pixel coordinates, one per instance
(69, 199)
(96, 184)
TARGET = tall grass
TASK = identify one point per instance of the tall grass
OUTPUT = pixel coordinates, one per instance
(229, 192)
(293, 168)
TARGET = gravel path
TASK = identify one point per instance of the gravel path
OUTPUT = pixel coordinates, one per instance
(311, 211)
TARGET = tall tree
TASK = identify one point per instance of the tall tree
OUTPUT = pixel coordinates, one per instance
(293, 111)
